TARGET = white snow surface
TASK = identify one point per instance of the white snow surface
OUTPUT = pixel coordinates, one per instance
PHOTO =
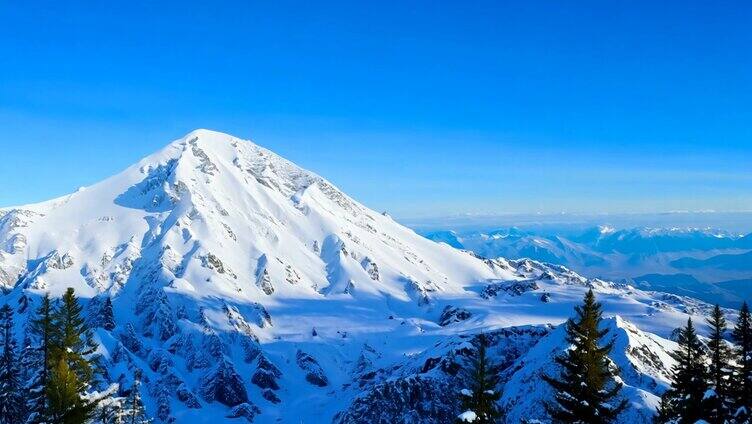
(467, 417)
(215, 247)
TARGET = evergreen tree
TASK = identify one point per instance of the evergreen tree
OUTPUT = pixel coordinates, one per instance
(684, 403)
(135, 412)
(586, 388)
(72, 369)
(719, 398)
(11, 389)
(482, 378)
(107, 315)
(110, 411)
(64, 395)
(41, 328)
(742, 335)
(29, 362)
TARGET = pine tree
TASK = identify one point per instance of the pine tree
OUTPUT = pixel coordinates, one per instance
(64, 394)
(587, 387)
(719, 398)
(72, 369)
(107, 316)
(110, 411)
(482, 378)
(742, 335)
(684, 402)
(41, 328)
(11, 389)
(135, 413)
(31, 364)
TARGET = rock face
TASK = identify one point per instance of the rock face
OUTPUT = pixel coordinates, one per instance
(415, 400)
(429, 393)
(313, 372)
(266, 374)
(512, 288)
(220, 258)
(245, 410)
(452, 314)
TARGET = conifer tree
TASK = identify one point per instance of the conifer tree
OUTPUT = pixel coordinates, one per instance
(719, 398)
(28, 359)
(742, 336)
(135, 412)
(41, 328)
(72, 370)
(107, 315)
(110, 411)
(11, 389)
(684, 403)
(586, 388)
(66, 404)
(482, 378)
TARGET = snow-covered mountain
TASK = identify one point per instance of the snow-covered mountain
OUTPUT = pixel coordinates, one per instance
(686, 261)
(247, 288)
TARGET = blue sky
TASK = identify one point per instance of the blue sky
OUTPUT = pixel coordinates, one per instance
(418, 108)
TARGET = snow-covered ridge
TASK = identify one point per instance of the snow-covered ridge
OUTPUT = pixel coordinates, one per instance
(704, 262)
(245, 286)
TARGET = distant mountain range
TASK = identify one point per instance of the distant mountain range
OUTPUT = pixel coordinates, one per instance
(708, 263)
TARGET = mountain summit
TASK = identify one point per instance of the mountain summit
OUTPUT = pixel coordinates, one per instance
(245, 287)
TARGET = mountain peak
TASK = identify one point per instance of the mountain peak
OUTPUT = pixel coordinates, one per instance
(227, 264)
(206, 136)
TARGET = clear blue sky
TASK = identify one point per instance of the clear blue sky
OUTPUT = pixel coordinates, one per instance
(419, 108)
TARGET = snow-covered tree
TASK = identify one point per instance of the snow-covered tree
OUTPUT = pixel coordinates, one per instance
(742, 382)
(685, 402)
(719, 395)
(11, 390)
(134, 411)
(223, 384)
(586, 389)
(110, 408)
(481, 378)
(110, 411)
(41, 329)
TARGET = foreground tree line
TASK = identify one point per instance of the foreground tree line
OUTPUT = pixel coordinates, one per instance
(712, 381)
(51, 377)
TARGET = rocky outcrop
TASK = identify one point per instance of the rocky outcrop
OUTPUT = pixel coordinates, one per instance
(452, 314)
(511, 288)
(245, 410)
(415, 400)
(266, 374)
(313, 372)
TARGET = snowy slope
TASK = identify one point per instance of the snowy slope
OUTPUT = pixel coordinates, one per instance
(246, 286)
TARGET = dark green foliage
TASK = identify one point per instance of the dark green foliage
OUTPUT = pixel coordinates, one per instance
(11, 390)
(482, 378)
(719, 403)
(586, 389)
(742, 382)
(71, 366)
(684, 403)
